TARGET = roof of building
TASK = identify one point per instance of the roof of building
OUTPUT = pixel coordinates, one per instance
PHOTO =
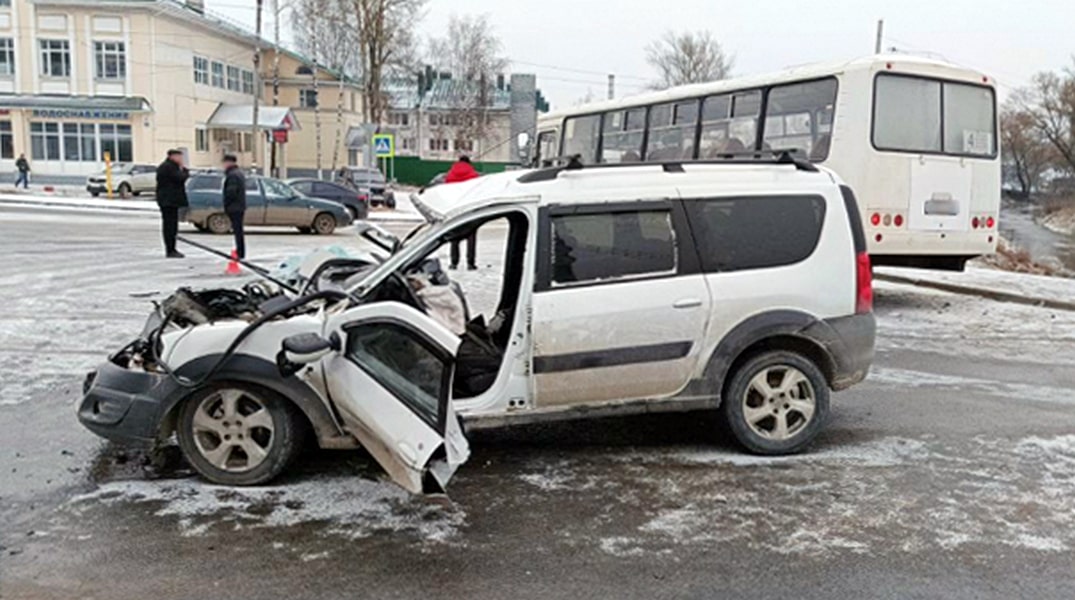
(444, 94)
(89, 103)
(241, 116)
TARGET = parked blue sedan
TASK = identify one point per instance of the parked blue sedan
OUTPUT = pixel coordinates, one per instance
(269, 202)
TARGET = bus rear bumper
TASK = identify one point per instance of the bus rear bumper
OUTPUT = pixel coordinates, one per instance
(928, 249)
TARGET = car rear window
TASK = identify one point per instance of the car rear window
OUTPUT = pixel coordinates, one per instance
(597, 246)
(755, 232)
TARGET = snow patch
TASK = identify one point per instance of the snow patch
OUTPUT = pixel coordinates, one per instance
(350, 507)
(884, 452)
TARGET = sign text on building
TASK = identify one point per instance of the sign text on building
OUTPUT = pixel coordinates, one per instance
(81, 113)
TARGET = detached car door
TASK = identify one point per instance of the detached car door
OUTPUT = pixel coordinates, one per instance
(391, 382)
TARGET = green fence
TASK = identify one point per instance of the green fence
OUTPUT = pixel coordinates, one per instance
(415, 171)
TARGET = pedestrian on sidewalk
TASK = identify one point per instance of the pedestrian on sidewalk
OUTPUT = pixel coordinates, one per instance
(235, 200)
(462, 170)
(23, 167)
(171, 198)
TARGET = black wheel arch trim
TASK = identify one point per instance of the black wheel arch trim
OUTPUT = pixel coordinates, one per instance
(758, 328)
(258, 371)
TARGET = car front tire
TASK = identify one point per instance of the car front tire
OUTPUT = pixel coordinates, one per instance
(236, 433)
(776, 402)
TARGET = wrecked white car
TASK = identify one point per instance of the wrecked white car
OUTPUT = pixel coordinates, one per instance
(623, 290)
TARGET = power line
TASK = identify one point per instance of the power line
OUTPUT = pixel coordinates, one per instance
(574, 70)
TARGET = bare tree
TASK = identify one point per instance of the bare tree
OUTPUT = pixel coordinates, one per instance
(1050, 105)
(688, 57)
(386, 46)
(1027, 154)
(472, 53)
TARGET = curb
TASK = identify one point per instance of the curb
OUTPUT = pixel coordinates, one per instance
(978, 291)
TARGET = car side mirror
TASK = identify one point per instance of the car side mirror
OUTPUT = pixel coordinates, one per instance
(303, 349)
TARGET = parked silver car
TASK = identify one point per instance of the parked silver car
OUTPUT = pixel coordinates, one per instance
(127, 179)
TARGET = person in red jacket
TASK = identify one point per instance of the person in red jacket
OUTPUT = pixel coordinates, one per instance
(462, 170)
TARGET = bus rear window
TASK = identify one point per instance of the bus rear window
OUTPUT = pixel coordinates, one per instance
(915, 114)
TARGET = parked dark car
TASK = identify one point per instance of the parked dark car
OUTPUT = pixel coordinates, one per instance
(372, 182)
(268, 201)
(357, 203)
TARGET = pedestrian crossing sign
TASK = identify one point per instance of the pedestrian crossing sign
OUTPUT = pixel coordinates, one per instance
(384, 145)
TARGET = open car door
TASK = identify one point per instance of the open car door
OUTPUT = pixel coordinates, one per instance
(391, 381)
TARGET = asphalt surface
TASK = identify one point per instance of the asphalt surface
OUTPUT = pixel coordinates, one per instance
(949, 473)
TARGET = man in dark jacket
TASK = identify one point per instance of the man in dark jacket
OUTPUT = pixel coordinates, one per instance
(235, 200)
(23, 167)
(461, 171)
(171, 197)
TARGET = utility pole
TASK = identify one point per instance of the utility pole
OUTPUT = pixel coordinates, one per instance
(611, 86)
(273, 169)
(257, 90)
(880, 36)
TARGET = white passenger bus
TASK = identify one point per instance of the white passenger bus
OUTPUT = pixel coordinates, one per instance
(915, 138)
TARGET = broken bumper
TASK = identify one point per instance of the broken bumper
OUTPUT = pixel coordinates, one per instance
(124, 405)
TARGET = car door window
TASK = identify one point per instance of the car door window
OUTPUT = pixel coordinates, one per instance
(405, 364)
(611, 245)
(325, 190)
(252, 186)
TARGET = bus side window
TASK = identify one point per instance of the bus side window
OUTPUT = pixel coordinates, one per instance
(729, 123)
(621, 136)
(546, 148)
(580, 137)
(799, 116)
(671, 131)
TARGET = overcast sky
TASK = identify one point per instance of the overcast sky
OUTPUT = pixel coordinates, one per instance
(572, 44)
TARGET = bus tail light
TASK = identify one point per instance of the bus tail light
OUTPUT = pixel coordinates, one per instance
(990, 222)
(898, 220)
(974, 222)
(863, 284)
(875, 219)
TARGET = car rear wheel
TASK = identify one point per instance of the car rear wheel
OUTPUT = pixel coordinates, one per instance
(776, 402)
(236, 433)
(95, 194)
(353, 212)
(124, 190)
(218, 223)
(324, 224)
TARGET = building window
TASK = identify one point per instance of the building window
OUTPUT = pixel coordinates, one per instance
(55, 58)
(218, 74)
(248, 82)
(7, 56)
(201, 70)
(5, 3)
(464, 145)
(201, 140)
(307, 98)
(7, 140)
(438, 145)
(401, 119)
(89, 141)
(45, 141)
(406, 143)
(233, 79)
(111, 60)
(116, 140)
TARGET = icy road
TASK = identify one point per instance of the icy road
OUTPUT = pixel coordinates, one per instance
(949, 473)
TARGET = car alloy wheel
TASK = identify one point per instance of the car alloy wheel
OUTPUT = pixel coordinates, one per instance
(233, 430)
(324, 224)
(776, 402)
(237, 433)
(218, 223)
(779, 402)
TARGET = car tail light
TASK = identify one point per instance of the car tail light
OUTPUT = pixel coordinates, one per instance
(974, 222)
(875, 219)
(863, 284)
(898, 220)
(990, 222)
